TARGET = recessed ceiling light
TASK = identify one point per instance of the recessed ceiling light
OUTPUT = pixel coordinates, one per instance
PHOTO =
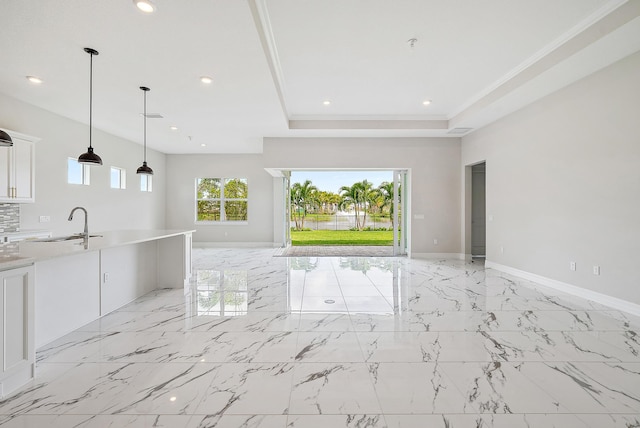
(34, 79)
(203, 145)
(206, 79)
(426, 102)
(173, 398)
(326, 102)
(173, 128)
(145, 5)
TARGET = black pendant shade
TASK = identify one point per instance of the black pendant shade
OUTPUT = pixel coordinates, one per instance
(90, 157)
(5, 139)
(144, 169)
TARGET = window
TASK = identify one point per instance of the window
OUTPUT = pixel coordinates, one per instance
(146, 182)
(77, 173)
(221, 199)
(118, 178)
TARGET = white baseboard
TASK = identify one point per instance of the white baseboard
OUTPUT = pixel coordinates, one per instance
(603, 299)
(431, 256)
(197, 244)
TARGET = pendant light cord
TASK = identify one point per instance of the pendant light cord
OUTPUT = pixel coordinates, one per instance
(145, 126)
(90, 96)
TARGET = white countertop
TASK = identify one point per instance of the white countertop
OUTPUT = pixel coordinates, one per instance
(23, 234)
(29, 252)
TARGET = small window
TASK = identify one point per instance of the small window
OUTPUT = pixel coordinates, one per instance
(221, 199)
(77, 173)
(118, 178)
(146, 182)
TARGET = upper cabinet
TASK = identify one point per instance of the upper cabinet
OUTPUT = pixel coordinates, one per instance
(17, 169)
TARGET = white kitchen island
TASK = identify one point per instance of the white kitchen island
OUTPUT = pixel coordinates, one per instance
(67, 285)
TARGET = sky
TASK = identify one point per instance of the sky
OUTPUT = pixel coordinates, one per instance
(332, 181)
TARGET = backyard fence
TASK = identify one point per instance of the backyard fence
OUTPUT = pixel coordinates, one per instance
(341, 222)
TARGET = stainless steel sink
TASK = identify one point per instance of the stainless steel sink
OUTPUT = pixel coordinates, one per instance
(66, 238)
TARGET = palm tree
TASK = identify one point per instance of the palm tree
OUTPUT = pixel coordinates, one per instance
(386, 191)
(303, 197)
(368, 196)
(359, 195)
(351, 197)
(327, 201)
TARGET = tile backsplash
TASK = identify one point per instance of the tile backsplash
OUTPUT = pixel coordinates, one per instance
(9, 217)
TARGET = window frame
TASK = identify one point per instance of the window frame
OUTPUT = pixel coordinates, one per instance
(85, 173)
(147, 186)
(122, 177)
(222, 200)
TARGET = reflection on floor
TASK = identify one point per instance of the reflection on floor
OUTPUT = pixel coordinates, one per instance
(336, 251)
(274, 342)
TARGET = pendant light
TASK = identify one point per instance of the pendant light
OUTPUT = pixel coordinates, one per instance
(5, 139)
(144, 169)
(90, 157)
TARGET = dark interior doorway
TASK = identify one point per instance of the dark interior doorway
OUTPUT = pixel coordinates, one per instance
(478, 210)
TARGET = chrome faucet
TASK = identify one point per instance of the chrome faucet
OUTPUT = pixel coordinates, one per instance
(86, 224)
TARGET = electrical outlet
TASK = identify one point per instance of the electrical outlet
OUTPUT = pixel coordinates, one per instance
(105, 277)
(572, 265)
(45, 219)
(596, 270)
(435, 242)
(501, 249)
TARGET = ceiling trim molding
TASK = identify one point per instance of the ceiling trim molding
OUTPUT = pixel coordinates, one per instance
(267, 40)
(368, 124)
(607, 19)
(542, 53)
(388, 117)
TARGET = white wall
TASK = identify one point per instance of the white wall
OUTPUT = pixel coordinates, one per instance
(279, 213)
(108, 208)
(435, 180)
(182, 173)
(563, 183)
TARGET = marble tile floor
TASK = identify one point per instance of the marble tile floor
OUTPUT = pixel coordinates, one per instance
(275, 342)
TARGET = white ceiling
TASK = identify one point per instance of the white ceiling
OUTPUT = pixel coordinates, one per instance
(274, 62)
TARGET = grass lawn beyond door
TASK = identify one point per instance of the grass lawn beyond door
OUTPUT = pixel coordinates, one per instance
(341, 237)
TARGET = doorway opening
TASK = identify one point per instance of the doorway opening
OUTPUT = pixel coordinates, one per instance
(359, 212)
(475, 195)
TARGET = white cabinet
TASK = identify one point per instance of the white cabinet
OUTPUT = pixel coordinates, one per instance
(17, 169)
(17, 344)
(127, 272)
(67, 294)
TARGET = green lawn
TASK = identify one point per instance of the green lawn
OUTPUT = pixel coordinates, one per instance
(341, 237)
